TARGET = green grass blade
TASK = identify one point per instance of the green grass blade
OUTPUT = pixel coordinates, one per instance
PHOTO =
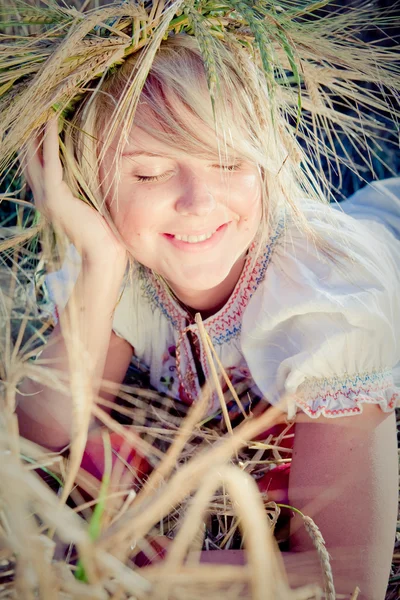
(96, 520)
(293, 65)
(31, 461)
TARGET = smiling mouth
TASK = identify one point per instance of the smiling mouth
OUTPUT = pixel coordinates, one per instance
(194, 239)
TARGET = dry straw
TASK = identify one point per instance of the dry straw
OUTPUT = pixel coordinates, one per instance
(30, 511)
(33, 568)
(312, 57)
(38, 571)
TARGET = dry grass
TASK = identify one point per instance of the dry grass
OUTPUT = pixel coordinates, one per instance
(37, 528)
(41, 536)
(314, 67)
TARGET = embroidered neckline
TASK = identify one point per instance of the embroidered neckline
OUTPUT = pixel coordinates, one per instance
(226, 323)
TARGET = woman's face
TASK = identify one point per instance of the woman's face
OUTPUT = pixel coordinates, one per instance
(182, 216)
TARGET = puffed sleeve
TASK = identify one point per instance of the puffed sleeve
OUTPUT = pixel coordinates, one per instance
(129, 316)
(59, 284)
(325, 330)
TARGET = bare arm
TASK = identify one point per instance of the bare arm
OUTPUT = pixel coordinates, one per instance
(344, 476)
(45, 415)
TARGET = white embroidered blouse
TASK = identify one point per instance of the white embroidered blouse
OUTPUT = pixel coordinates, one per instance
(296, 323)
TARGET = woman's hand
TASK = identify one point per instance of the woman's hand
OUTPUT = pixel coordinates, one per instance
(86, 229)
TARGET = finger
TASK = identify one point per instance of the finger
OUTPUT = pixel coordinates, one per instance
(51, 153)
(22, 161)
(32, 164)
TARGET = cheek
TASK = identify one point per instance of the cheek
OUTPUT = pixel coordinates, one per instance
(130, 222)
(247, 200)
(131, 215)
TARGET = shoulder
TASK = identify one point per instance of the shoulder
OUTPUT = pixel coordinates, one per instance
(140, 316)
(326, 317)
(129, 311)
(338, 265)
(337, 246)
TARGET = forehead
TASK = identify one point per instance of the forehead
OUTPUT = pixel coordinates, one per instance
(150, 137)
(140, 142)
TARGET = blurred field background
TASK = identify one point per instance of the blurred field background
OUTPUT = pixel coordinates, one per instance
(17, 215)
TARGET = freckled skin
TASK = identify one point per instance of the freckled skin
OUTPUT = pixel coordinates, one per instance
(182, 194)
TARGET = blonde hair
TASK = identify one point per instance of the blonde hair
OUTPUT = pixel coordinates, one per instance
(174, 90)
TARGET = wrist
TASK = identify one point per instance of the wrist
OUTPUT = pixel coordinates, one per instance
(110, 262)
(99, 276)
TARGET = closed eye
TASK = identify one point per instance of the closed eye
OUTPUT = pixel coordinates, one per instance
(152, 178)
(229, 168)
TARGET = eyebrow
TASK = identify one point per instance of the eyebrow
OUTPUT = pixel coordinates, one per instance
(133, 153)
(141, 153)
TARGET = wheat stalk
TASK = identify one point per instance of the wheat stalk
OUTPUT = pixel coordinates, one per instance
(206, 44)
(319, 544)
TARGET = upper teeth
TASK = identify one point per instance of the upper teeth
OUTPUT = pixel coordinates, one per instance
(193, 239)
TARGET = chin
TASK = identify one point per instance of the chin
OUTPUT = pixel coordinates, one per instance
(202, 278)
(195, 284)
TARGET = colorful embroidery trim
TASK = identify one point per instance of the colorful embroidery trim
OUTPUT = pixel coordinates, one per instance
(338, 396)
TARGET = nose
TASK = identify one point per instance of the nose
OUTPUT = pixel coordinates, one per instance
(195, 197)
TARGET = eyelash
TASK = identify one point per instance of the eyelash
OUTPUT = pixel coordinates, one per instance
(153, 178)
(143, 178)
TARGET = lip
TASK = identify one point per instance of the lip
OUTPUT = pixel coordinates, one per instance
(198, 246)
